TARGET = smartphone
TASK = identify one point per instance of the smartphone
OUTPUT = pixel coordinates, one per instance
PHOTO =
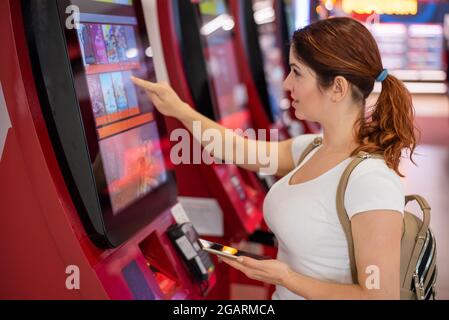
(228, 252)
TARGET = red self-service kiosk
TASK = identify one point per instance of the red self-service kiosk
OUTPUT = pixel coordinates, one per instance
(220, 95)
(87, 202)
(205, 69)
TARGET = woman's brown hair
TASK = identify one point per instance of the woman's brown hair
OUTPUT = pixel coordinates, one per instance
(344, 47)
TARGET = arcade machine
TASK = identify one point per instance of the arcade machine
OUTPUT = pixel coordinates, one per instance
(88, 205)
(204, 69)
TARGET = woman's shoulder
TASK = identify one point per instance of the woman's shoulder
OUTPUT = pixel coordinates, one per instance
(374, 167)
(374, 186)
(300, 143)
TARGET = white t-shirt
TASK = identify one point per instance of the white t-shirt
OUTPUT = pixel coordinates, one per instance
(304, 216)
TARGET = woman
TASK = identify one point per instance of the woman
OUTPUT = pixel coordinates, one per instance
(334, 65)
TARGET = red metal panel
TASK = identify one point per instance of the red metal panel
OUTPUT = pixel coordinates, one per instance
(40, 241)
(40, 229)
(214, 185)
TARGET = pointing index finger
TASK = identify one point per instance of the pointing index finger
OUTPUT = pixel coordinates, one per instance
(144, 84)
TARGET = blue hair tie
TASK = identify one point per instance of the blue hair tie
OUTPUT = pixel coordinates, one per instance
(382, 76)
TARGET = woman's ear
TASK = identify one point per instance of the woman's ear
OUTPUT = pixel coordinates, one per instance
(340, 89)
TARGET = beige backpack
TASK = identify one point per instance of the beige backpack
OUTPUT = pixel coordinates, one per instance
(418, 246)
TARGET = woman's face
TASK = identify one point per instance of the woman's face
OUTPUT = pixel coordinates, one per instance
(308, 101)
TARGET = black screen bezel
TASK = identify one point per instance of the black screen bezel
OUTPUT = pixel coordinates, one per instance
(108, 231)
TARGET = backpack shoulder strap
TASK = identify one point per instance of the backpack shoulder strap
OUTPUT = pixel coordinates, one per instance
(341, 210)
(312, 146)
(425, 208)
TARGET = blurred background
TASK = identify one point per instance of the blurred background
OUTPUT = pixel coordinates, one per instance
(413, 39)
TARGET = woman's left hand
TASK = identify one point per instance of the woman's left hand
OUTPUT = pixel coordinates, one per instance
(270, 271)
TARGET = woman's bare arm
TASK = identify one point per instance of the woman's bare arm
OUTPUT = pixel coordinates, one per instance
(232, 147)
(377, 246)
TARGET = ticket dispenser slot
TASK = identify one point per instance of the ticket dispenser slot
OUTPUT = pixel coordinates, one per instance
(176, 260)
(161, 265)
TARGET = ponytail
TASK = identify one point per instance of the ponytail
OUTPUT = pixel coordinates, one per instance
(344, 47)
(389, 127)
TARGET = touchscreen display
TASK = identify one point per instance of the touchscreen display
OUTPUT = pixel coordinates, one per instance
(127, 133)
